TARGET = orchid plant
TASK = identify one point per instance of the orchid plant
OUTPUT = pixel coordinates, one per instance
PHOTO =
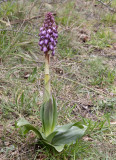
(51, 134)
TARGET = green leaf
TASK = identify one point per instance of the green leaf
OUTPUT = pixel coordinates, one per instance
(42, 115)
(27, 127)
(68, 136)
(22, 99)
(58, 148)
(54, 114)
(65, 127)
(32, 77)
(51, 136)
(49, 116)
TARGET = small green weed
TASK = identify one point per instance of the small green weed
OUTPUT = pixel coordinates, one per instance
(101, 39)
(12, 10)
(113, 4)
(25, 103)
(100, 73)
(64, 47)
(104, 77)
(109, 19)
(65, 19)
(107, 104)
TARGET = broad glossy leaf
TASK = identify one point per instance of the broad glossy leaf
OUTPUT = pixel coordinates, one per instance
(65, 127)
(58, 148)
(27, 127)
(68, 137)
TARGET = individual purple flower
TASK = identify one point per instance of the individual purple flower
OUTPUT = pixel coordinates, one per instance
(46, 41)
(51, 47)
(45, 25)
(41, 48)
(55, 35)
(41, 29)
(42, 38)
(49, 31)
(54, 43)
(52, 39)
(45, 49)
(54, 29)
(48, 34)
(41, 43)
(43, 32)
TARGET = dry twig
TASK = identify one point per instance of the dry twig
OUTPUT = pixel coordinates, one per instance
(25, 20)
(19, 31)
(106, 5)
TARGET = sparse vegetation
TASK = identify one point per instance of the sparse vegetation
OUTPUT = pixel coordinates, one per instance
(83, 77)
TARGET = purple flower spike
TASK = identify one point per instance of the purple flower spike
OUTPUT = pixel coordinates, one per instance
(48, 34)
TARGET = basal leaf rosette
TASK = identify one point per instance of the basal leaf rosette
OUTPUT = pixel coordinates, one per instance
(61, 136)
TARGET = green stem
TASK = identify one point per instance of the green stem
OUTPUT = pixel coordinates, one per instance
(47, 78)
